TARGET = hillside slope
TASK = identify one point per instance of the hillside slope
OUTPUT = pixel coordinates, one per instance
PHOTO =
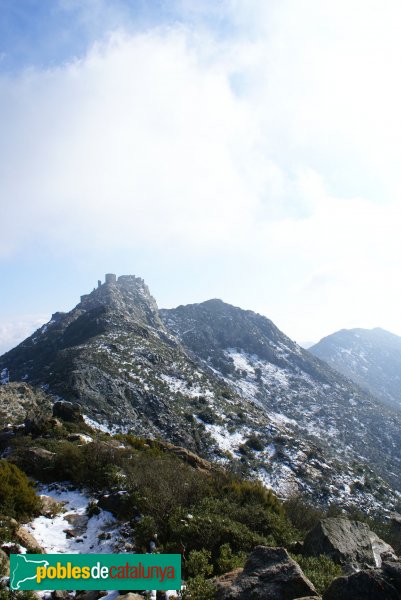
(369, 357)
(257, 360)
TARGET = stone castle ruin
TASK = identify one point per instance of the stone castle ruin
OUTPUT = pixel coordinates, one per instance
(112, 279)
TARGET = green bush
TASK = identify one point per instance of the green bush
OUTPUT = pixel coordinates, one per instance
(199, 588)
(144, 532)
(198, 563)
(302, 515)
(227, 560)
(255, 443)
(321, 570)
(211, 525)
(17, 496)
(69, 463)
(7, 595)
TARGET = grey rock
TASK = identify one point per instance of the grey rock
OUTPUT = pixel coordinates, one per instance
(18, 401)
(4, 564)
(268, 573)
(365, 585)
(226, 580)
(347, 543)
(49, 506)
(28, 541)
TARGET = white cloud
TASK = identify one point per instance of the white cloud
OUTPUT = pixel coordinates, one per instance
(272, 156)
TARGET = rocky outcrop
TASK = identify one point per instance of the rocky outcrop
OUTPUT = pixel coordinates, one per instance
(28, 541)
(268, 573)
(364, 585)
(226, 580)
(348, 543)
(19, 400)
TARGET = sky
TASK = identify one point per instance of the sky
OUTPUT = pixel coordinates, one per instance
(247, 150)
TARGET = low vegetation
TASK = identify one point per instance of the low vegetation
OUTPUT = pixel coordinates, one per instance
(212, 517)
(17, 496)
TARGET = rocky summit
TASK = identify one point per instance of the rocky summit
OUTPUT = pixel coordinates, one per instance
(220, 381)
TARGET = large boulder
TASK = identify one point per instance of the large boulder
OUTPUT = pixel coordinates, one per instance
(67, 411)
(27, 540)
(364, 585)
(348, 543)
(268, 573)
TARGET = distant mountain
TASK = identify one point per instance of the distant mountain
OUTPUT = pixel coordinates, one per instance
(221, 381)
(370, 357)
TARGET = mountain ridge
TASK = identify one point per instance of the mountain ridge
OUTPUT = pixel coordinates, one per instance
(221, 381)
(369, 357)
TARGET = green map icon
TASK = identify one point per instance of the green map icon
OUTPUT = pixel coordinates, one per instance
(24, 569)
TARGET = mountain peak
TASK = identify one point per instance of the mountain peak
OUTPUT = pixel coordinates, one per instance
(128, 295)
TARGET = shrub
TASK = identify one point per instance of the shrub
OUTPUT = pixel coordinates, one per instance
(17, 496)
(69, 464)
(144, 532)
(302, 515)
(198, 563)
(211, 526)
(255, 443)
(321, 570)
(199, 588)
(227, 560)
(92, 509)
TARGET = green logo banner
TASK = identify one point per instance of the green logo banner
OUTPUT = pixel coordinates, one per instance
(95, 571)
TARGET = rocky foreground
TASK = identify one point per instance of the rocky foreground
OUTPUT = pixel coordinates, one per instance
(373, 570)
